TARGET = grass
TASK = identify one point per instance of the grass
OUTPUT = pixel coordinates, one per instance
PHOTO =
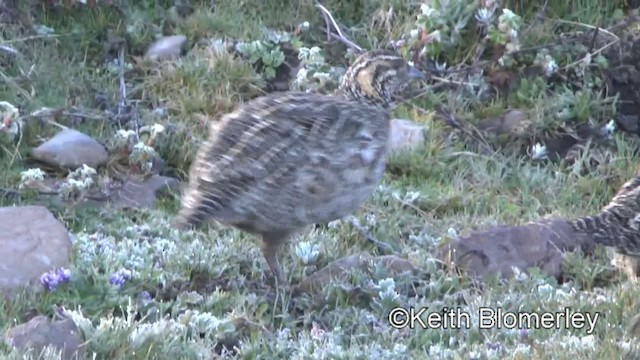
(203, 294)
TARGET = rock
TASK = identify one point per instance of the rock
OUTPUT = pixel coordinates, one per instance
(32, 242)
(40, 332)
(405, 135)
(342, 268)
(165, 48)
(143, 193)
(497, 250)
(71, 149)
(514, 123)
(628, 123)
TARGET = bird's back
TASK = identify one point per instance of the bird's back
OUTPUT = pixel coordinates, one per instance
(286, 160)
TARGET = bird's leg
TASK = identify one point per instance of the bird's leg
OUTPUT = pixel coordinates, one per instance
(270, 245)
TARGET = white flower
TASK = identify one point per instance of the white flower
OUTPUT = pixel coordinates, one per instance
(334, 224)
(440, 67)
(508, 15)
(411, 196)
(322, 76)
(387, 289)
(303, 53)
(484, 16)
(161, 330)
(202, 322)
(304, 26)
(610, 128)
(10, 111)
(414, 33)
(435, 36)
(156, 129)
(546, 290)
(538, 152)
(550, 65)
(523, 349)
(84, 172)
(508, 21)
(142, 148)
(307, 251)
(582, 343)
(427, 10)
(518, 274)
(300, 81)
(314, 51)
(80, 320)
(125, 134)
(451, 232)
(9, 119)
(32, 174)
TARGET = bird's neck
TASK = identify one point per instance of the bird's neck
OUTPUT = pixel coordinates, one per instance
(378, 102)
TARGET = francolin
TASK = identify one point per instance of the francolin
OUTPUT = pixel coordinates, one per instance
(281, 162)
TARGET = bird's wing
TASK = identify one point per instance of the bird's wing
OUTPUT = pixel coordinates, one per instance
(266, 139)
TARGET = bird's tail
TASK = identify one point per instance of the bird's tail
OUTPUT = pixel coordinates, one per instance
(618, 223)
(192, 214)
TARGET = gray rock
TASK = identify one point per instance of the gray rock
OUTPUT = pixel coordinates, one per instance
(165, 48)
(143, 193)
(41, 332)
(70, 149)
(405, 135)
(32, 242)
(496, 251)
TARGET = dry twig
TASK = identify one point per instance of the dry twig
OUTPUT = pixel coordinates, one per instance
(122, 104)
(328, 18)
(382, 246)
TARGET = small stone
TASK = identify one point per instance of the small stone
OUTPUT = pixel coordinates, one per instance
(165, 48)
(32, 242)
(405, 135)
(41, 332)
(71, 149)
(513, 123)
(143, 194)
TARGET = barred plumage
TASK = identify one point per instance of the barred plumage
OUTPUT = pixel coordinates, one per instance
(618, 224)
(287, 160)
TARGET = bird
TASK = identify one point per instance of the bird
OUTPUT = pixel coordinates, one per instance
(617, 225)
(286, 160)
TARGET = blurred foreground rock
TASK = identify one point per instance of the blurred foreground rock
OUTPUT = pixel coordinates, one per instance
(542, 244)
(32, 242)
(41, 332)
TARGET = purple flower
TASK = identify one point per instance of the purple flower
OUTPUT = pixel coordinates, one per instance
(524, 333)
(120, 277)
(51, 279)
(64, 275)
(146, 297)
(494, 346)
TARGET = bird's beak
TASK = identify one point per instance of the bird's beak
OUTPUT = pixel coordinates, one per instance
(414, 73)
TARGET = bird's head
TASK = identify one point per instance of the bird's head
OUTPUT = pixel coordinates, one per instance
(376, 76)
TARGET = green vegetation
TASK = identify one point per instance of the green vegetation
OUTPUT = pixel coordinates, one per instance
(203, 294)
